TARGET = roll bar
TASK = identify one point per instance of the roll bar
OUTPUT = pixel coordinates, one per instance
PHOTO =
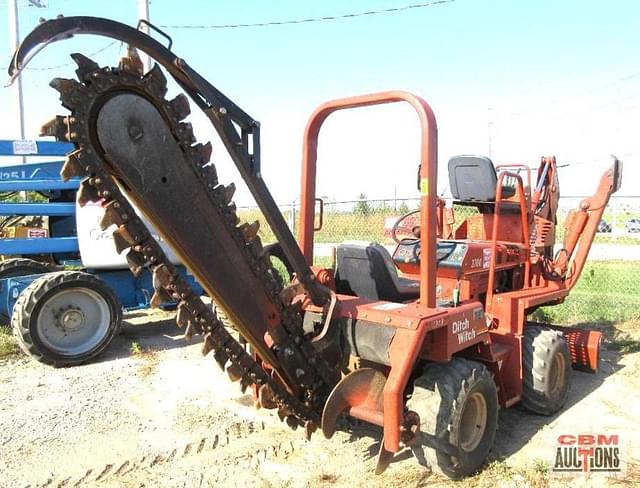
(428, 178)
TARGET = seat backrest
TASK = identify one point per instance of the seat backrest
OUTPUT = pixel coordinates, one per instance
(472, 178)
(366, 271)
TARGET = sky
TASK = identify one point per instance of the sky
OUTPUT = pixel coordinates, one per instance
(514, 80)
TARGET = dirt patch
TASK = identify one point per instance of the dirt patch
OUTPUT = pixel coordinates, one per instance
(162, 415)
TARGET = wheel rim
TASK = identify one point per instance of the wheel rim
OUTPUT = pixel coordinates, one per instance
(73, 321)
(557, 375)
(473, 421)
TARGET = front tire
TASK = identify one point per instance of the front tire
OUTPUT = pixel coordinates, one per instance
(66, 318)
(10, 268)
(458, 407)
(546, 364)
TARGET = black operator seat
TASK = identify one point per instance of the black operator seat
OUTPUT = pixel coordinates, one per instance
(367, 270)
(473, 180)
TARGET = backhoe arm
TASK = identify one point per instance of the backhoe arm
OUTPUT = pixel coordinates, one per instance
(582, 224)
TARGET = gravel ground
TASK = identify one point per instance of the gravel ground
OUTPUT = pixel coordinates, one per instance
(166, 416)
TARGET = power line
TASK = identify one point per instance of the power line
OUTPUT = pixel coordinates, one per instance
(47, 68)
(313, 19)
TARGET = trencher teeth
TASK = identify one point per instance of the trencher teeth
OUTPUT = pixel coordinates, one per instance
(87, 193)
(123, 239)
(161, 276)
(221, 358)
(159, 297)
(131, 62)
(244, 384)
(207, 344)
(201, 154)
(185, 131)
(57, 127)
(190, 331)
(72, 167)
(183, 316)
(180, 106)
(250, 231)
(234, 372)
(71, 92)
(226, 194)
(112, 215)
(86, 66)
(156, 80)
(135, 260)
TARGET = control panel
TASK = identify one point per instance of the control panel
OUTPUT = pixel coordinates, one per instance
(449, 254)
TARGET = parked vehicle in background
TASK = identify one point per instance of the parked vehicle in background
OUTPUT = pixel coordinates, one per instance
(603, 226)
(632, 225)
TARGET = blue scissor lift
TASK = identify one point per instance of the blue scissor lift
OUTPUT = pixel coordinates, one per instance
(61, 314)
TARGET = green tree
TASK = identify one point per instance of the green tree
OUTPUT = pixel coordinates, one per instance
(403, 208)
(362, 207)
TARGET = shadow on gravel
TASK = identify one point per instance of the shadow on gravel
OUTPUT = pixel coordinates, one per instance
(516, 425)
(156, 335)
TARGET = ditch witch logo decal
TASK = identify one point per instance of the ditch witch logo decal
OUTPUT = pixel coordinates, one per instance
(587, 453)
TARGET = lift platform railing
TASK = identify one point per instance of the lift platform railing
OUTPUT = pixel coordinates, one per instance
(40, 177)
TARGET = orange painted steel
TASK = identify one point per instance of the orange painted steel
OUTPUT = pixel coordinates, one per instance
(524, 222)
(428, 178)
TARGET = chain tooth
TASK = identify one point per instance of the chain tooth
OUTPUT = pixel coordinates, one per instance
(135, 261)
(225, 194)
(72, 166)
(86, 66)
(185, 131)
(57, 127)
(221, 357)
(113, 214)
(255, 247)
(71, 92)
(201, 154)
(190, 331)
(131, 63)
(250, 231)
(180, 106)
(156, 81)
(87, 193)
(234, 372)
(122, 239)
(245, 383)
(162, 277)
(160, 297)
(207, 344)
(183, 316)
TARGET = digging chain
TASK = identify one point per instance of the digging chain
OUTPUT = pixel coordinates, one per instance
(99, 184)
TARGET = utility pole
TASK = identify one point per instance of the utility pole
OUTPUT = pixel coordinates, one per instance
(14, 42)
(143, 14)
(490, 129)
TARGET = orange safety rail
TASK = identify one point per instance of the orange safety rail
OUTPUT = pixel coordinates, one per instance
(527, 169)
(428, 179)
(524, 217)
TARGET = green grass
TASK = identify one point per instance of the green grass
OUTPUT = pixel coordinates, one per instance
(8, 345)
(606, 291)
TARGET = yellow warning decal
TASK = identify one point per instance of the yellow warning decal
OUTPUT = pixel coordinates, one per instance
(424, 186)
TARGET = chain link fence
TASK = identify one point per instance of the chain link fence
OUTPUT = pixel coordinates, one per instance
(608, 289)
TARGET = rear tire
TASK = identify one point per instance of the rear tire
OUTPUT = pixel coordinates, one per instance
(458, 407)
(13, 267)
(546, 364)
(66, 318)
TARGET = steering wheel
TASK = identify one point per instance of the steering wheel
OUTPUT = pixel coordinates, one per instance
(415, 230)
